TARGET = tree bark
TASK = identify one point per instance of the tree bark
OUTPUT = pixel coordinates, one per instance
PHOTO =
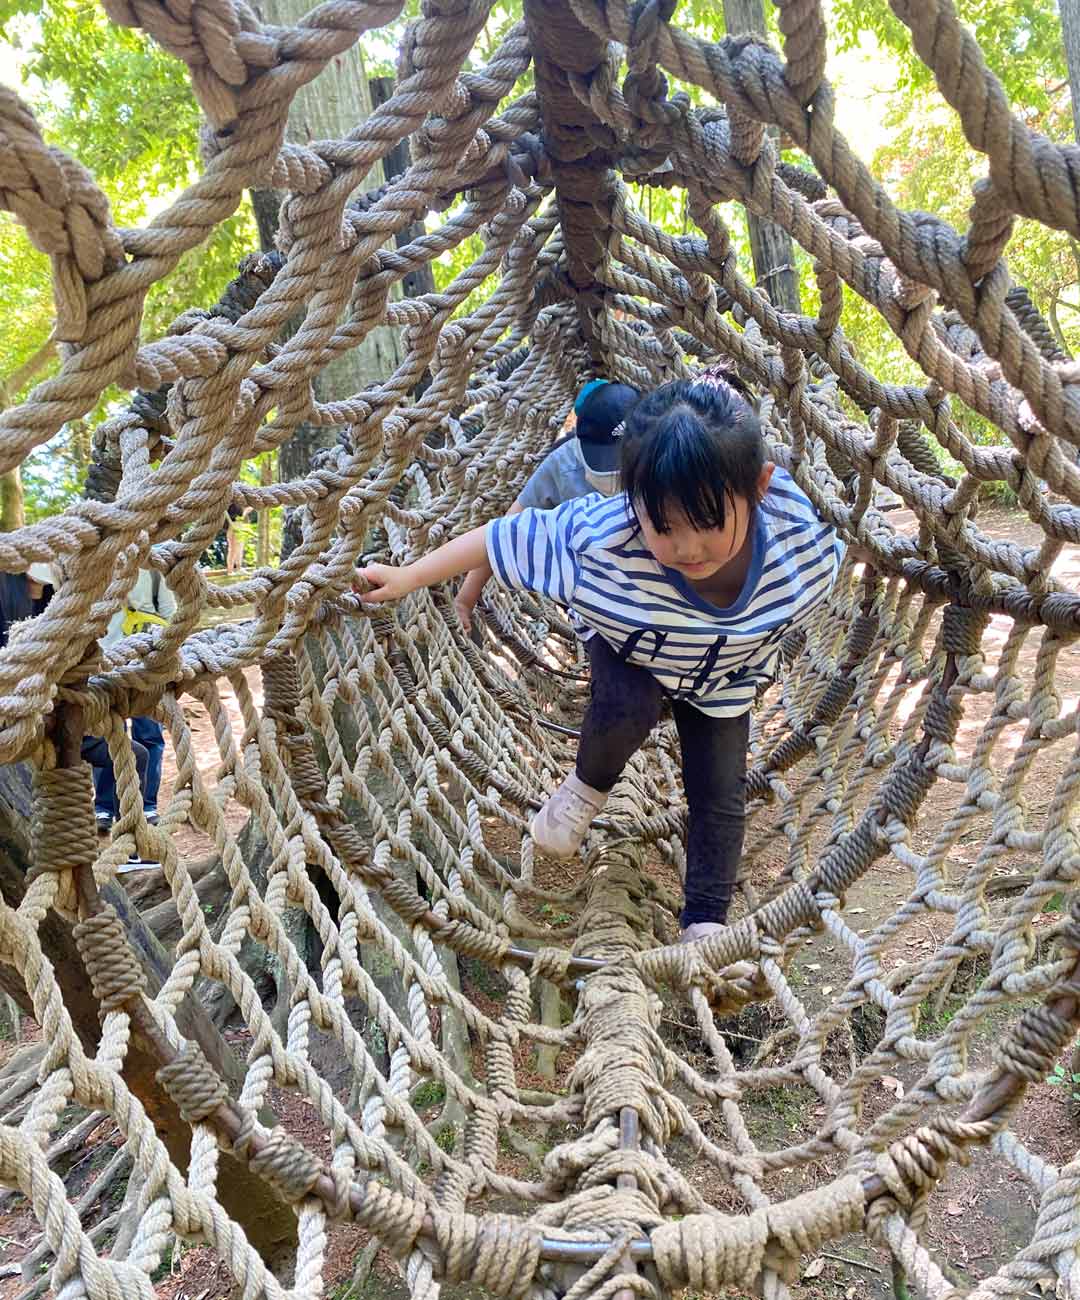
(326, 109)
(12, 501)
(262, 545)
(269, 1223)
(1070, 34)
(770, 245)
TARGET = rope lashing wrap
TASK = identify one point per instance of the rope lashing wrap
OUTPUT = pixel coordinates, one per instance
(496, 1254)
(286, 1164)
(114, 970)
(63, 829)
(707, 1252)
(393, 958)
(193, 1084)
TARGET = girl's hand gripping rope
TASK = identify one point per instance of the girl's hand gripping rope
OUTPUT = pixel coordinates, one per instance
(377, 583)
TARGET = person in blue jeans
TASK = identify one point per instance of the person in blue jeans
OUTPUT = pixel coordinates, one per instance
(148, 746)
(150, 603)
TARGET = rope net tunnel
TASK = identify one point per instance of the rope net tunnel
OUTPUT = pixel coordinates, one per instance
(480, 1044)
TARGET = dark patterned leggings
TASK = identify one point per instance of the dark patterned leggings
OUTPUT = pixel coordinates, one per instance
(624, 707)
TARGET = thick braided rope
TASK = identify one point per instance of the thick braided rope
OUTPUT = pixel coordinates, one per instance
(394, 763)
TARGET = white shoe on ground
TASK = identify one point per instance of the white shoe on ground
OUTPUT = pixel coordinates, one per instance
(135, 863)
(700, 930)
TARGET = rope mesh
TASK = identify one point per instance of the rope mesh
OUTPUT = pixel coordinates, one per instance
(380, 792)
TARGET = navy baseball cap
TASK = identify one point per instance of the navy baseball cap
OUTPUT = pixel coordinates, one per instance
(601, 408)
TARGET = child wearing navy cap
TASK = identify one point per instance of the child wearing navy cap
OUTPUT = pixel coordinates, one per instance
(585, 462)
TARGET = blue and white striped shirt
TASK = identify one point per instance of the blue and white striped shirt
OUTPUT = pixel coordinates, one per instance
(589, 555)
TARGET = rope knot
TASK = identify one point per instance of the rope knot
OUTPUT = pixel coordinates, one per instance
(63, 831)
(193, 1084)
(115, 973)
(287, 1166)
(551, 964)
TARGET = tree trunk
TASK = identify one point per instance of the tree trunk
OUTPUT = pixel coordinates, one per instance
(326, 109)
(269, 1223)
(770, 244)
(1070, 34)
(397, 163)
(262, 545)
(266, 205)
(12, 503)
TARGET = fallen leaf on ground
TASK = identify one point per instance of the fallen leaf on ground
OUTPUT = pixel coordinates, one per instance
(815, 1268)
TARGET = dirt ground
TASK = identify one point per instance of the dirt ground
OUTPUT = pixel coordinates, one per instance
(979, 1217)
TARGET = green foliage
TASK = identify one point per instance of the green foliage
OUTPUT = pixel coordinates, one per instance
(927, 164)
(118, 103)
(446, 1139)
(428, 1093)
(1020, 40)
(1062, 1078)
(113, 98)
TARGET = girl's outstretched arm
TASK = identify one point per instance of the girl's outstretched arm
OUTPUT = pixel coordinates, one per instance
(389, 582)
(476, 579)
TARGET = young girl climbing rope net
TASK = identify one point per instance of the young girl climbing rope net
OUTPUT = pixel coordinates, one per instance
(682, 586)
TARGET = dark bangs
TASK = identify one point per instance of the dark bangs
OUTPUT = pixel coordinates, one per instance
(690, 448)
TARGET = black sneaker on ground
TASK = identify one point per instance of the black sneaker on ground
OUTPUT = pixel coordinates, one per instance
(104, 822)
(135, 863)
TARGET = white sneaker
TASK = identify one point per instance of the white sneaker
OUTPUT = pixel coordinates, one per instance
(563, 822)
(701, 930)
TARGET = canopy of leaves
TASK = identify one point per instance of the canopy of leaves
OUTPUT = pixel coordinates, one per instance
(114, 100)
(928, 164)
(1020, 39)
(123, 107)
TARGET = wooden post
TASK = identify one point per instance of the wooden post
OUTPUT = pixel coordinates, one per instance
(770, 244)
(1070, 35)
